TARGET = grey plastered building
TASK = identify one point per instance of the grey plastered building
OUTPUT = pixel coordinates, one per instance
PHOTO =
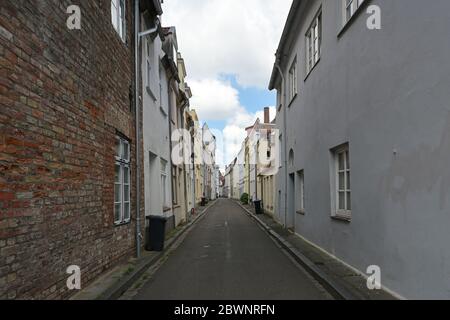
(368, 137)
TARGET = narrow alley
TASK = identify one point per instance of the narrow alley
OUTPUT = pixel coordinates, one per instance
(227, 256)
(224, 150)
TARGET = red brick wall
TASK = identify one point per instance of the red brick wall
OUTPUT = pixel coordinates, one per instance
(63, 96)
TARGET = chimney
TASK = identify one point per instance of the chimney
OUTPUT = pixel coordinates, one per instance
(266, 115)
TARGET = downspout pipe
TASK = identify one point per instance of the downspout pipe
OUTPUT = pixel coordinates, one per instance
(137, 64)
(185, 178)
(194, 204)
(171, 104)
(284, 106)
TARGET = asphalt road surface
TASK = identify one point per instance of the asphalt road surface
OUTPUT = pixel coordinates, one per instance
(228, 257)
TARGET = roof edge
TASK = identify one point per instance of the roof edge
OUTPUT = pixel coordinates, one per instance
(284, 37)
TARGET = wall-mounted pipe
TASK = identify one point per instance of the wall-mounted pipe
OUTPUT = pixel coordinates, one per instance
(284, 106)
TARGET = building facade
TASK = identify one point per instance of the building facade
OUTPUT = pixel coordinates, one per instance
(157, 97)
(227, 182)
(67, 145)
(86, 124)
(266, 165)
(209, 162)
(364, 127)
(174, 67)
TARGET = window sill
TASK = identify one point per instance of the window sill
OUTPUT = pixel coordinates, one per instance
(292, 100)
(121, 224)
(352, 18)
(345, 217)
(166, 209)
(301, 212)
(150, 93)
(312, 69)
(163, 111)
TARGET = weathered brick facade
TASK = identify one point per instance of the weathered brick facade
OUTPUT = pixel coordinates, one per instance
(64, 96)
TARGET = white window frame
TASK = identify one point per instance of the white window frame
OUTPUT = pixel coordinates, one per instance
(118, 17)
(175, 184)
(164, 183)
(350, 7)
(149, 61)
(293, 80)
(301, 191)
(344, 171)
(280, 150)
(122, 161)
(314, 42)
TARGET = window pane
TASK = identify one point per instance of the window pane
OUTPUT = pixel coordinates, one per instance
(117, 217)
(349, 187)
(126, 193)
(341, 181)
(349, 201)
(126, 213)
(341, 161)
(126, 175)
(164, 189)
(117, 193)
(117, 173)
(122, 18)
(114, 13)
(118, 149)
(119, 26)
(302, 192)
(349, 9)
(347, 158)
(122, 9)
(341, 201)
(126, 151)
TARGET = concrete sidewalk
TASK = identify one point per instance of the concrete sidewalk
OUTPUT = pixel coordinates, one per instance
(340, 280)
(115, 282)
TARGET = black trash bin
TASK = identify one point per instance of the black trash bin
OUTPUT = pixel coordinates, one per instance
(258, 209)
(203, 202)
(155, 233)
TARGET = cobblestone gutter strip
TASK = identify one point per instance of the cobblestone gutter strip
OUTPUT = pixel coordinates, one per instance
(113, 284)
(344, 284)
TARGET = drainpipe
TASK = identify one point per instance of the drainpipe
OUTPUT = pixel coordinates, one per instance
(185, 178)
(169, 82)
(194, 204)
(284, 106)
(172, 103)
(137, 65)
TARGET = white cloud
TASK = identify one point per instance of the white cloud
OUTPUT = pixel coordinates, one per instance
(214, 99)
(232, 37)
(228, 37)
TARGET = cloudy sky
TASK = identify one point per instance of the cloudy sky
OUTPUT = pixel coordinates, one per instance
(229, 48)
